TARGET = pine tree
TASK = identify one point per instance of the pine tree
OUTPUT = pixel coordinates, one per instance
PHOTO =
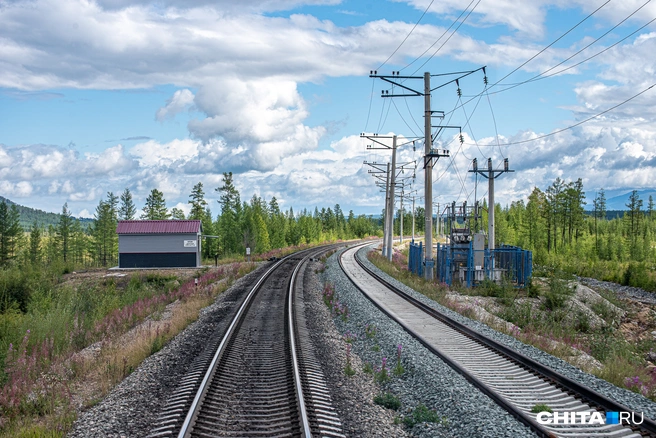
(10, 231)
(35, 244)
(127, 211)
(197, 202)
(599, 204)
(633, 218)
(155, 208)
(231, 214)
(64, 229)
(103, 234)
(112, 200)
(177, 214)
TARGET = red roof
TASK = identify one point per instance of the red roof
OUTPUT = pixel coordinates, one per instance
(158, 227)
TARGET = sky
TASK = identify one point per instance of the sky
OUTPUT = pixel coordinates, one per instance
(99, 96)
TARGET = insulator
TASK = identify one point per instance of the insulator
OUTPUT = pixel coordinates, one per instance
(459, 92)
(485, 80)
(462, 139)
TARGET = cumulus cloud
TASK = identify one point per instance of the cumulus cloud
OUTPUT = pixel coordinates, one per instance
(261, 120)
(528, 17)
(21, 189)
(152, 153)
(181, 100)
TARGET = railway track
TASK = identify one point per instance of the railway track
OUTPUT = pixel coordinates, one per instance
(514, 381)
(262, 379)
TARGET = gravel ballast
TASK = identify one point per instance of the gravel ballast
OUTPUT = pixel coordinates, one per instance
(635, 402)
(131, 408)
(463, 410)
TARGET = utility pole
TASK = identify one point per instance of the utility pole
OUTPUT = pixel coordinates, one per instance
(401, 213)
(430, 154)
(386, 227)
(390, 235)
(378, 170)
(491, 175)
(379, 143)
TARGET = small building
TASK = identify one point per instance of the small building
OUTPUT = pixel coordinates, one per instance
(159, 244)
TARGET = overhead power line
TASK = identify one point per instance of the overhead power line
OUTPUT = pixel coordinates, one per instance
(543, 75)
(538, 53)
(552, 43)
(447, 40)
(444, 33)
(582, 121)
(407, 36)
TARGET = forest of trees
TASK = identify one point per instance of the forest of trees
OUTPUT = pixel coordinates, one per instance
(257, 224)
(562, 235)
(553, 223)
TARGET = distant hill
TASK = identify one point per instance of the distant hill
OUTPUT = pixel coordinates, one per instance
(610, 214)
(619, 202)
(43, 218)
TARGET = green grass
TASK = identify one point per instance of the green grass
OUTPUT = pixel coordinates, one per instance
(541, 407)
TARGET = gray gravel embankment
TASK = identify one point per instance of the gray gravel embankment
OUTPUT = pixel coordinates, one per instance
(426, 380)
(632, 400)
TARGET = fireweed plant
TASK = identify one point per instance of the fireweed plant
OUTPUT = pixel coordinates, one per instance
(370, 331)
(38, 374)
(380, 374)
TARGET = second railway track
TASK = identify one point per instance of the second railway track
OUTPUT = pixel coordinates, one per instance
(514, 381)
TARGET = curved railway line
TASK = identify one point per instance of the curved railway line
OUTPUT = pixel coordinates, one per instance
(514, 381)
(262, 379)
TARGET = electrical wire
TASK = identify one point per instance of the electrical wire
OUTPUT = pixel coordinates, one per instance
(551, 44)
(542, 50)
(406, 123)
(467, 122)
(543, 75)
(494, 120)
(371, 99)
(447, 40)
(405, 99)
(440, 37)
(582, 121)
(408, 35)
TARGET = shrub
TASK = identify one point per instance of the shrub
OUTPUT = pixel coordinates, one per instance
(421, 414)
(388, 400)
(532, 290)
(582, 323)
(558, 293)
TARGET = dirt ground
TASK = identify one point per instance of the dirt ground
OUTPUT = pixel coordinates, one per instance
(121, 276)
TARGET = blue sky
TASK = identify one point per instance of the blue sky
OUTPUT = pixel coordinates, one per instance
(103, 95)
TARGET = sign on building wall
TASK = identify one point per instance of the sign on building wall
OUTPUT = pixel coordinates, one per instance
(190, 244)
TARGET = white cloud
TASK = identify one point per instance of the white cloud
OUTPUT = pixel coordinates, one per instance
(21, 189)
(84, 213)
(152, 153)
(180, 101)
(528, 17)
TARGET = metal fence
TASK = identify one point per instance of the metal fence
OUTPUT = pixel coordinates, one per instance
(416, 258)
(471, 266)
